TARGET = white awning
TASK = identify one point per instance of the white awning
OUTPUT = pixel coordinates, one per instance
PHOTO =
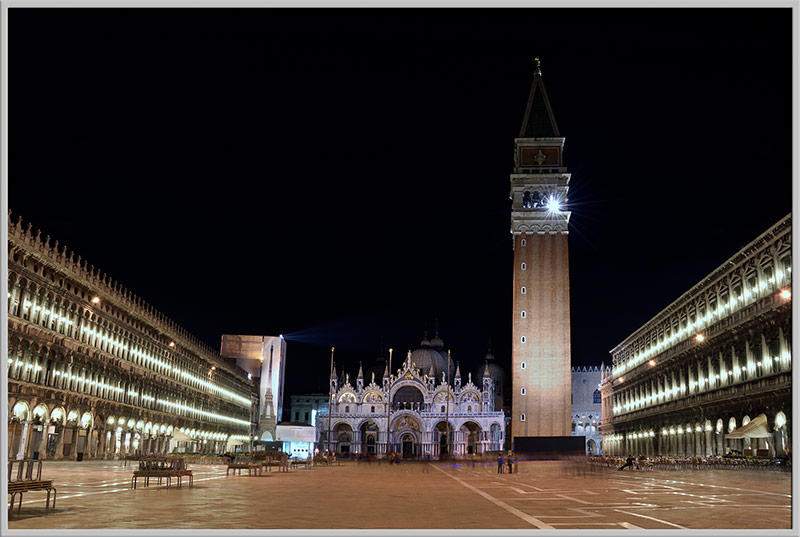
(178, 436)
(757, 428)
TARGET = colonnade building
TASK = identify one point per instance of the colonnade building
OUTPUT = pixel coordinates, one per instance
(711, 373)
(94, 371)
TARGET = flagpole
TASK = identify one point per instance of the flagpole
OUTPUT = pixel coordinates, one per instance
(447, 412)
(330, 406)
(388, 403)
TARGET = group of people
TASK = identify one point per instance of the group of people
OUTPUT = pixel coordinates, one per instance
(328, 458)
(714, 462)
(503, 461)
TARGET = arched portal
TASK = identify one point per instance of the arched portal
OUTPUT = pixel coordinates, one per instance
(444, 438)
(405, 428)
(495, 437)
(407, 441)
(368, 434)
(344, 438)
(470, 436)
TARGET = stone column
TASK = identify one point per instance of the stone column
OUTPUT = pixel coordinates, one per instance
(59, 443)
(76, 431)
(24, 440)
(43, 442)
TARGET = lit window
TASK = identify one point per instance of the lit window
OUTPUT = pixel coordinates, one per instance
(522, 391)
(522, 417)
(523, 314)
(523, 266)
(524, 290)
(522, 365)
(522, 339)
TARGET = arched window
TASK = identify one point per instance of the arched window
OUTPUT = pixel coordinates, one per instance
(522, 365)
(442, 408)
(347, 409)
(524, 290)
(522, 391)
(372, 409)
(408, 394)
(522, 417)
(523, 266)
(523, 242)
(523, 314)
(596, 397)
(522, 339)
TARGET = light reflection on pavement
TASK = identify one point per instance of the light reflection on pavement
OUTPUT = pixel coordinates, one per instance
(548, 495)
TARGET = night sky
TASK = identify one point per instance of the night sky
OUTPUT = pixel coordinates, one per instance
(341, 176)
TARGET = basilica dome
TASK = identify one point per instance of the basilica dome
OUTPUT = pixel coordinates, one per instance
(437, 342)
(496, 373)
(424, 357)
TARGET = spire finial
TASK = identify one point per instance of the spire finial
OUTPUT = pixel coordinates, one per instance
(538, 64)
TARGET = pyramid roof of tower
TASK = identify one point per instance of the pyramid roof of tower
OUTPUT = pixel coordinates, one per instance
(539, 121)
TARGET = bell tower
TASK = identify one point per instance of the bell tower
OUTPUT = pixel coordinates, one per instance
(541, 383)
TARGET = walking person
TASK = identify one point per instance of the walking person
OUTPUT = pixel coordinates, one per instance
(628, 462)
(500, 463)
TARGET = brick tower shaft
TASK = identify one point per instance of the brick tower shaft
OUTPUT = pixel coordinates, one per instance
(541, 381)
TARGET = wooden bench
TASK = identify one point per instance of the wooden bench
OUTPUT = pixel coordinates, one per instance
(28, 477)
(162, 468)
(252, 468)
(269, 464)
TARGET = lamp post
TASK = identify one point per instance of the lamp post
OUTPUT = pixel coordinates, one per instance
(330, 406)
(388, 403)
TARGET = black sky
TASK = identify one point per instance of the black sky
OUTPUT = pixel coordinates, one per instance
(342, 175)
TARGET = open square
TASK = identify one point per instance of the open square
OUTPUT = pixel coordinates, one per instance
(544, 495)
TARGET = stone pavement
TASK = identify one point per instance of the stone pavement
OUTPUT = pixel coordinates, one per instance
(547, 495)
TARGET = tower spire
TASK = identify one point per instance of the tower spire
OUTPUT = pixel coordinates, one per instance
(539, 121)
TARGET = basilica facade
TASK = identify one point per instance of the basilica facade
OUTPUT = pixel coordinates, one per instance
(425, 413)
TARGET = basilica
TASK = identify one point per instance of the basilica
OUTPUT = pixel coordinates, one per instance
(421, 404)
